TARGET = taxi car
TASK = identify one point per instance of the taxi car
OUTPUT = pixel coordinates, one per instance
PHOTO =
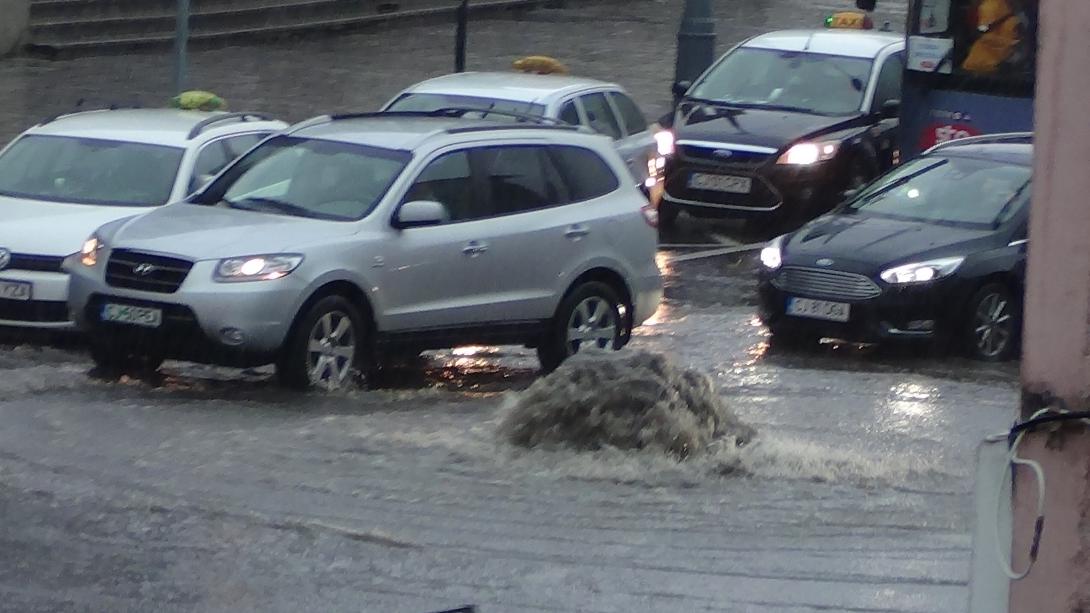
(779, 127)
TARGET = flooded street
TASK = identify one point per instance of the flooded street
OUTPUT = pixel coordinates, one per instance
(213, 490)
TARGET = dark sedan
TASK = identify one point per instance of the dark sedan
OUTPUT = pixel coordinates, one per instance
(934, 250)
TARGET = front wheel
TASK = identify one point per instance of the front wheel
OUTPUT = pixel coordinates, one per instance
(588, 318)
(993, 324)
(325, 347)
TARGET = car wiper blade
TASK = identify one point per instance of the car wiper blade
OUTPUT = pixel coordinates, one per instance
(786, 107)
(272, 204)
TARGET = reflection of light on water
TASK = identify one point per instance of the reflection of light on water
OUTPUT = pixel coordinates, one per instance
(912, 399)
(662, 259)
(661, 315)
(470, 351)
(755, 322)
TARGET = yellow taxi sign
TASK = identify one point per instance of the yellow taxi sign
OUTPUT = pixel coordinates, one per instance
(849, 20)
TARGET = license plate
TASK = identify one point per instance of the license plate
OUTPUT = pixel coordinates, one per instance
(720, 183)
(819, 309)
(132, 315)
(15, 290)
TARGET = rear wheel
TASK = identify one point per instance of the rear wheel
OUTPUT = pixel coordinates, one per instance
(993, 324)
(588, 318)
(325, 348)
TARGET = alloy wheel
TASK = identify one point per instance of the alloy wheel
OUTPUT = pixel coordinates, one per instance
(331, 350)
(993, 325)
(593, 323)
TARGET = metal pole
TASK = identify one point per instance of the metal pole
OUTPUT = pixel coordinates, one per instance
(181, 43)
(695, 41)
(460, 37)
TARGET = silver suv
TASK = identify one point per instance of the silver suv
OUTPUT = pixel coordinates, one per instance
(350, 239)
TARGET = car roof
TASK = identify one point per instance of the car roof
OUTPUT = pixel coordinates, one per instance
(171, 127)
(851, 43)
(407, 132)
(517, 86)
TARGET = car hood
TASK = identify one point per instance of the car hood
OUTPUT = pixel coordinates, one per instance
(204, 232)
(867, 244)
(39, 227)
(756, 127)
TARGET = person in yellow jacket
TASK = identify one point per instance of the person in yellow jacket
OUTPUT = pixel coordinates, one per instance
(999, 30)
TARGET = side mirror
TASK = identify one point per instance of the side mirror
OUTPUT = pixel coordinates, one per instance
(680, 88)
(891, 109)
(420, 213)
(865, 5)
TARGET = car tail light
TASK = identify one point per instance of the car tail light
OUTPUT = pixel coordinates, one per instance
(650, 215)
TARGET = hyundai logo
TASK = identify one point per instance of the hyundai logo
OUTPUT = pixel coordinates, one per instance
(825, 262)
(723, 153)
(5, 258)
(144, 269)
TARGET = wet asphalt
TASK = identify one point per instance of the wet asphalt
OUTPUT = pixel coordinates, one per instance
(210, 489)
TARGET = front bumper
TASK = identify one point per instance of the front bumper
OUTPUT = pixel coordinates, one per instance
(913, 312)
(234, 324)
(47, 309)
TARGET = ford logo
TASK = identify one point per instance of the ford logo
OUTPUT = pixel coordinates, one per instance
(723, 153)
(825, 262)
(5, 258)
(144, 269)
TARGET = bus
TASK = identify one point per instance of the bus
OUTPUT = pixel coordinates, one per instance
(970, 69)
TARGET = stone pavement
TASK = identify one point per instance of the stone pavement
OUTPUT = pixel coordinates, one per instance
(631, 42)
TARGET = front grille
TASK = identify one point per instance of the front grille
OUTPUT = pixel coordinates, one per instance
(146, 272)
(34, 311)
(826, 284)
(37, 263)
(736, 159)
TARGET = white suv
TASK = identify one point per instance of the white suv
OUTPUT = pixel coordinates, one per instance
(353, 238)
(69, 175)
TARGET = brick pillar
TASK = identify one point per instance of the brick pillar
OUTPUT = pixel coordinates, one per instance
(14, 18)
(1056, 362)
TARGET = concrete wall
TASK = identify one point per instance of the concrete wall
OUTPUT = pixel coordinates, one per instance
(14, 17)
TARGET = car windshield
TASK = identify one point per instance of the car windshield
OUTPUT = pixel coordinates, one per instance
(426, 103)
(89, 171)
(312, 178)
(957, 191)
(791, 80)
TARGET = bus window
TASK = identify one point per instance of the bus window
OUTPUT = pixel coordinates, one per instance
(975, 38)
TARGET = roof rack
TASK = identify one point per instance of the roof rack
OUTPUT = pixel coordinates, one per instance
(207, 123)
(514, 126)
(985, 139)
(452, 112)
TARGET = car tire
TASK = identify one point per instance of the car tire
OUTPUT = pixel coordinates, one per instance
(326, 347)
(113, 358)
(993, 323)
(591, 311)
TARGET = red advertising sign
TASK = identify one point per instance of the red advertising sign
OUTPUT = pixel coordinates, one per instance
(938, 133)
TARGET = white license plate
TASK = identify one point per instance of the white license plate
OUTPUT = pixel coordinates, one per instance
(720, 183)
(15, 290)
(133, 315)
(819, 309)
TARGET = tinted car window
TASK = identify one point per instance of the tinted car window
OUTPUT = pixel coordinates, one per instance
(89, 171)
(520, 178)
(600, 115)
(957, 191)
(631, 115)
(448, 179)
(587, 175)
(570, 114)
(212, 158)
(237, 145)
(889, 82)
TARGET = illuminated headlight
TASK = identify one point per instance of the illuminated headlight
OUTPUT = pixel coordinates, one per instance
(772, 254)
(665, 142)
(88, 254)
(257, 267)
(805, 154)
(922, 272)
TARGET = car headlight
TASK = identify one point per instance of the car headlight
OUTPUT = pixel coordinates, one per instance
(772, 254)
(665, 142)
(922, 272)
(88, 254)
(257, 267)
(805, 154)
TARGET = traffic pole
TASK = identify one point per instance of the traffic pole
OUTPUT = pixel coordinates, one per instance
(460, 37)
(695, 41)
(181, 44)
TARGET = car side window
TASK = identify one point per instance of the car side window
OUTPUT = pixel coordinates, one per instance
(569, 114)
(449, 180)
(211, 159)
(889, 82)
(237, 145)
(631, 115)
(520, 178)
(586, 174)
(600, 115)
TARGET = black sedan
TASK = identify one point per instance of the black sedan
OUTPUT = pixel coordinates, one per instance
(934, 250)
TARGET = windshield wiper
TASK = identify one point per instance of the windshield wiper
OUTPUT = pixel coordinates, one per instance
(272, 204)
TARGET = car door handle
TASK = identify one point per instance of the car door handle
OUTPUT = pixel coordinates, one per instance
(474, 248)
(576, 232)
